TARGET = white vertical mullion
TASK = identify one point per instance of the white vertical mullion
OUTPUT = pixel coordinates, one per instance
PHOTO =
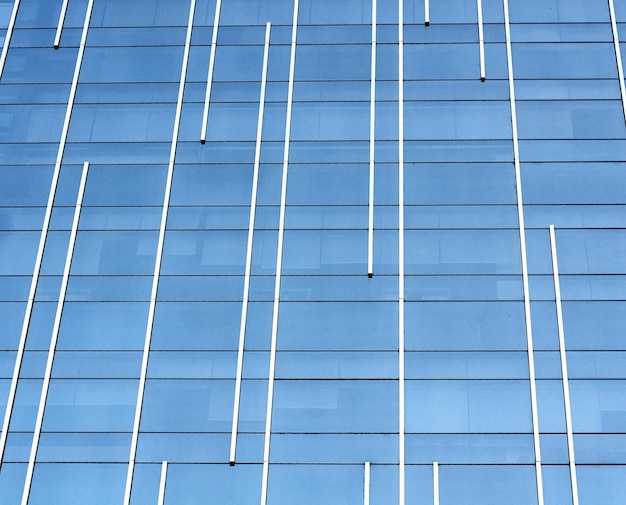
(157, 263)
(57, 37)
(246, 282)
(522, 234)
(279, 259)
(370, 233)
(366, 483)
(53, 340)
(45, 225)
(436, 483)
(162, 481)
(209, 80)
(481, 39)
(401, 408)
(618, 56)
(427, 12)
(564, 374)
(7, 37)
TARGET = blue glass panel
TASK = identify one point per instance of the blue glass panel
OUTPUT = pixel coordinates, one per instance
(90, 405)
(598, 406)
(200, 288)
(31, 123)
(321, 484)
(555, 89)
(340, 287)
(330, 121)
(33, 65)
(253, 12)
(564, 11)
(464, 287)
(65, 484)
(98, 365)
(466, 365)
(103, 326)
(108, 288)
(476, 406)
(551, 406)
(335, 406)
(600, 449)
(596, 365)
(472, 449)
(238, 63)
(329, 12)
(12, 481)
(146, 479)
(591, 251)
(213, 185)
(326, 184)
(12, 320)
(481, 485)
(337, 365)
(601, 485)
(136, 36)
(78, 447)
(140, 13)
(17, 252)
(25, 186)
(333, 62)
(554, 448)
(192, 365)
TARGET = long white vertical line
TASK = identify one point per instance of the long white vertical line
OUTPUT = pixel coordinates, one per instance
(57, 37)
(162, 481)
(401, 250)
(481, 39)
(618, 56)
(426, 12)
(370, 232)
(522, 234)
(279, 259)
(436, 483)
(246, 282)
(366, 484)
(53, 340)
(7, 37)
(564, 374)
(209, 79)
(157, 263)
(44, 232)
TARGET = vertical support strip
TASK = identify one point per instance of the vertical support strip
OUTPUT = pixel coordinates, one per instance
(522, 234)
(44, 231)
(162, 482)
(401, 250)
(481, 39)
(435, 483)
(427, 12)
(246, 281)
(370, 232)
(209, 79)
(366, 484)
(618, 56)
(53, 340)
(564, 374)
(57, 37)
(279, 259)
(159, 255)
(7, 38)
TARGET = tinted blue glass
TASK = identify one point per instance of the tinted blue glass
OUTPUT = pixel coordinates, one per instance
(601, 484)
(142, 13)
(34, 66)
(559, 10)
(17, 252)
(28, 123)
(77, 447)
(336, 365)
(333, 62)
(598, 406)
(97, 365)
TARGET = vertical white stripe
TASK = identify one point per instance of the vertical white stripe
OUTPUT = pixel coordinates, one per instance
(57, 37)
(522, 233)
(162, 482)
(246, 282)
(370, 233)
(44, 231)
(7, 37)
(436, 483)
(209, 80)
(366, 484)
(157, 263)
(481, 39)
(618, 56)
(401, 251)
(564, 374)
(426, 12)
(279, 259)
(53, 340)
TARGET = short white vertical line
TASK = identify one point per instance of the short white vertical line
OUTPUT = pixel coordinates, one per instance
(370, 232)
(481, 39)
(401, 250)
(7, 37)
(279, 259)
(209, 80)
(157, 262)
(44, 233)
(564, 374)
(366, 484)
(162, 482)
(426, 12)
(436, 483)
(53, 340)
(522, 233)
(246, 282)
(57, 37)
(618, 56)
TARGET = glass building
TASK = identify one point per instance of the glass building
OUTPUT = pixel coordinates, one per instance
(331, 252)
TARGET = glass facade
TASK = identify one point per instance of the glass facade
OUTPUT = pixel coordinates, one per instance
(313, 251)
